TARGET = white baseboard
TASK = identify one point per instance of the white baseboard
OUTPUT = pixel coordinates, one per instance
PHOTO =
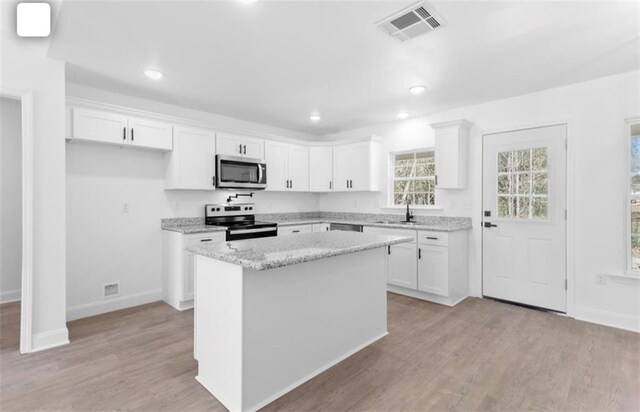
(10, 296)
(606, 318)
(50, 339)
(112, 304)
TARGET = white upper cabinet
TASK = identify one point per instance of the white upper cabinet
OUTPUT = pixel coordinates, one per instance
(107, 127)
(320, 169)
(150, 133)
(287, 167)
(191, 164)
(341, 168)
(298, 165)
(99, 126)
(231, 144)
(275, 156)
(452, 140)
(357, 166)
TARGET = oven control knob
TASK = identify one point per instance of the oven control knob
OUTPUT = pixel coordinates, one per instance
(246, 208)
(217, 209)
(250, 207)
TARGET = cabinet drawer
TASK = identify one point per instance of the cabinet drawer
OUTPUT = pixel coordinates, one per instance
(203, 238)
(433, 238)
(390, 232)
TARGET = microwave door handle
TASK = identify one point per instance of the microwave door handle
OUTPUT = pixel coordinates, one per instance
(259, 173)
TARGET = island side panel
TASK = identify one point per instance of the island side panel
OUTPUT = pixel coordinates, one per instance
(218, 329)
(300, 320)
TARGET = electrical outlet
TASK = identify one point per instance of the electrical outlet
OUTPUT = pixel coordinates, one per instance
(601, 279)
(125, 208)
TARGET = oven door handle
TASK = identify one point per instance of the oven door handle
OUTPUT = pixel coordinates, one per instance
(259, 230)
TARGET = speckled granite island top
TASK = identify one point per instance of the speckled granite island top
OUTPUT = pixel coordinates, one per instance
(274, 252)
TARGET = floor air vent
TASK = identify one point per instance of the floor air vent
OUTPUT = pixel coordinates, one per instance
(411, 22)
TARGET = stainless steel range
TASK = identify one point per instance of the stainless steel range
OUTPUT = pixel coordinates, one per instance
(240, 221)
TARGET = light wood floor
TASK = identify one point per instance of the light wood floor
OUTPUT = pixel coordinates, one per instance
(479, 355)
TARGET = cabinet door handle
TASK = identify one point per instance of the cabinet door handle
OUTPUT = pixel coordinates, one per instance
(291, 184)
(206, 240)
(436, 182)
(245, 149)
(132, 138)
(240, 149)
(419, 253)
(329, 184)
(389, 250)
(124, 133)
(295, 231)
(351, 183)
(432, 238)
(347, 183)
(213, 181)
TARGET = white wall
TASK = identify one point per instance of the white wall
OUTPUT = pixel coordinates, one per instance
(22, 70)
(10, 199)
(595, 112)
(103, 243)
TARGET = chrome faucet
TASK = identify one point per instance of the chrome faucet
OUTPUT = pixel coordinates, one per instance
(409, 216)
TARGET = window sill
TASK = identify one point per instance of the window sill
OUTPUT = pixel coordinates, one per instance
(629, 274)
(412, 207)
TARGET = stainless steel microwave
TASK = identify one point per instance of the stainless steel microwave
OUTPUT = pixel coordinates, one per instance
(233, 172)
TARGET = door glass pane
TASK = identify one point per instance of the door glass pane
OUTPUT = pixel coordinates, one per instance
(635, 165)
(522, 184)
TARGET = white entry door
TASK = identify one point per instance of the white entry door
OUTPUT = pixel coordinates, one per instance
(524, 217)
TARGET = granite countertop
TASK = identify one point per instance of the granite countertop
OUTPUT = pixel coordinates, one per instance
(431, 223)
(392, 224)
(275, 252)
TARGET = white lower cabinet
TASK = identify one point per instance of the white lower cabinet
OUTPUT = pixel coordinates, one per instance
(178, 266)
(433, 267)
(292, 230)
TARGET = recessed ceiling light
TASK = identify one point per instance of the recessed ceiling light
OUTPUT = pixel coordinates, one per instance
(314, 117)
(417, 89)
(153, 74)
(403, 115)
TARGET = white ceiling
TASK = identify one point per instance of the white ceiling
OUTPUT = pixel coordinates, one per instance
(275, 62)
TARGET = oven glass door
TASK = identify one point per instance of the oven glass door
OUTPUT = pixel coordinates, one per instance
(232, 171)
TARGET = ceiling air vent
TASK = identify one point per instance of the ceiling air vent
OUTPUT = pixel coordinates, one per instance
(411, 22)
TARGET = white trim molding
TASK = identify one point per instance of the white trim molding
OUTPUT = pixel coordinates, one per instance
(606, 318)
(50, 339)
(111, 304)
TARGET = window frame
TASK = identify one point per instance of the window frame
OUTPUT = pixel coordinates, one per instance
(629, 198)
(391, 179)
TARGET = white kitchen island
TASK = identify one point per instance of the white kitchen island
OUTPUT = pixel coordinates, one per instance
(272, 313)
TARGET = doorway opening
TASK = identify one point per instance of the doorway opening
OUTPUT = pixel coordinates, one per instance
(16, 221)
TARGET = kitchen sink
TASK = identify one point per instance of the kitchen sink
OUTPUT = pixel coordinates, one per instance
(388, 222)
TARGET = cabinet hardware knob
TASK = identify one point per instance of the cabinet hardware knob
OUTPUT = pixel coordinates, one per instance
(432, 238)
(389, 250)
(419, 253)
(436, 182)
(132, 138)
(124, 133)
(206, 240)
(213, 181)
(295, 231)
(347, 183)
(240, 149)
(245, 149)
(351, 183)
(329, 184)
